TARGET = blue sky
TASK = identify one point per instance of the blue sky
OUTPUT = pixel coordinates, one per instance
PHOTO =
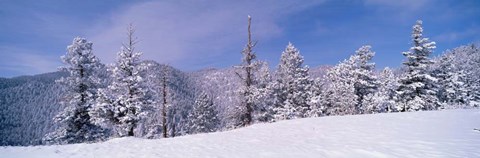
(197, 34)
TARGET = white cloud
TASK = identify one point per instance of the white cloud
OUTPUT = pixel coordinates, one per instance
(457, 36)
(187, 33)
(401, 4)
(400, 11)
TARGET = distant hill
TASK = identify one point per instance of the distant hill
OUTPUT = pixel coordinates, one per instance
(27, 107)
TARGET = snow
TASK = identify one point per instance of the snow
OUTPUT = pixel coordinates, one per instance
(448, 133)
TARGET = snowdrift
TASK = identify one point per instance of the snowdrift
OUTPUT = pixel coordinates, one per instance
(448, 133)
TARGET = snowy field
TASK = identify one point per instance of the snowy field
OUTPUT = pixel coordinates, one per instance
(448, 133)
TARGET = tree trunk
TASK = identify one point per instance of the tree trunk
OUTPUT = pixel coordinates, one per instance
(248, 80)
(164, 110)
(130, 132)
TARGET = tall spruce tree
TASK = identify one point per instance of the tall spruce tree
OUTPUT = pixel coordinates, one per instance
(417, 90)
(81, 84)
(292, 86)
(365, 80)
(126, 100)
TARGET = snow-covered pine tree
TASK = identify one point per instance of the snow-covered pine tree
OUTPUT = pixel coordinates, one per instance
(417, 90)
(388, 85)
(263, 102)
(365, 82)
(126, 100)
(373, 103)
(292, 86)
(356, 71)
(318, 108)
(383, 100)
(451, 82)
(204, 117)
(76, 125)
(472, 72)
(466, 61)
(248, 68)
(339, 97)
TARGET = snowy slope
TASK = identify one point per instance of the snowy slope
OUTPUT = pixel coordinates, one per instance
(446, 133)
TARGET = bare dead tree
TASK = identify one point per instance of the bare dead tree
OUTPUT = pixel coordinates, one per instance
(248, 68)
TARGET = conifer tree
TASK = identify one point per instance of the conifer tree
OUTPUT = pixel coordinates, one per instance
(388, 86)
(451, 82)
(292, 86)
(365, 80)
(263, 96)
(472, 73)
(383, 100)
(317, 101)
(76, 123)
(417, 89)
(126, 100)
(204, 117)
(339, 97)
(356, 71)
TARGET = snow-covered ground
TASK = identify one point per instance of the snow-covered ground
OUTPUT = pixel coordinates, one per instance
(448, 133)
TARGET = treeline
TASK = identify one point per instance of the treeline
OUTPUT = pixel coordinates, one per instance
(124, 102)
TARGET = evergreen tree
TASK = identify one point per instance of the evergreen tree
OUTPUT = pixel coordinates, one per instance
(471, 63)
(451, 81)
(204, 117)
(81, 83)
(126, 100)
(339, 97)
(316, 103)
(382, 100)
(417, 89)
(459, 65)
(357, 71)
(365, 81)
(263, 96)
(292, 86)
(388, 86)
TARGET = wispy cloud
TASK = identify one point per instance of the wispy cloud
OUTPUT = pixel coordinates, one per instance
(187, 33)
(407, 5)
(460, 35)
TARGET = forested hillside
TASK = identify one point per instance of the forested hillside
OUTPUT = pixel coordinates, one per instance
(28, 105)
